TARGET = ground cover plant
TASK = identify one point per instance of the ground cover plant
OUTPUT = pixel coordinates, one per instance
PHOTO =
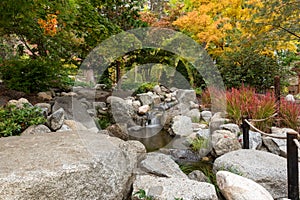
(14, 120)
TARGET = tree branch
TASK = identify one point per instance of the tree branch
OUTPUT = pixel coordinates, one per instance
(26, 45)
(290, 32)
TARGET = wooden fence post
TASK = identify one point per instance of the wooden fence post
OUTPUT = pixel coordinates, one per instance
(292, 165)
(246, 128)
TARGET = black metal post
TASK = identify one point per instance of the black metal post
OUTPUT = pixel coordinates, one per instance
(245, 128)
(292, 165)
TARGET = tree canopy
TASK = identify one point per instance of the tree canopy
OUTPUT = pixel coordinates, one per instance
(250, 40)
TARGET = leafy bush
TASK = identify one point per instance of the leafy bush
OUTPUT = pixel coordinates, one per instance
(104, 122)
(33, 75)
(145, 87)
(289, 115)
(13, 120)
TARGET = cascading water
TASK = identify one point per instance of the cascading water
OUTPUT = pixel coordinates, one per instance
(154, 117)
(152, 134)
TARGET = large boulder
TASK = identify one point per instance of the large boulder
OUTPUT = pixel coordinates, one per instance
(122, 112)
(265, 168)
(236, 187)
(170, 188)
(70, 165)
(161, 165)
(216, 121)
(182, 126)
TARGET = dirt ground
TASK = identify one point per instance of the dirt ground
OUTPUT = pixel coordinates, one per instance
(8, 94)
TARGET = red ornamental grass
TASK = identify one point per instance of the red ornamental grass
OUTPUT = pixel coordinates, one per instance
(264, 108)
(245, 102)
(240, 102)
(289, 115)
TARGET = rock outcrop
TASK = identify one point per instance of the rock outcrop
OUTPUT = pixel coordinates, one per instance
(68, 165)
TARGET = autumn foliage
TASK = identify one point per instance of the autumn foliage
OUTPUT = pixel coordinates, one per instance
(228, 25)
(49, 25)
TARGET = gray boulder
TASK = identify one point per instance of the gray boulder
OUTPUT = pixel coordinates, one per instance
(146, 98)
(161, 165)
(64, 128)
(171, 188)
(36, 129)
(234, 128)
(157, 89)
(206, 115)
(56, 119)
(118, 130)
(216, 121)
(70, 165)
(236, 187)
(182, 126)
(121, 111)
(276, 145)
(181, 154)
(194, 114)
(265, 168)
(224, 141)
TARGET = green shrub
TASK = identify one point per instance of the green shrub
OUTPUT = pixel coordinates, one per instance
(13, 120)
(34, 75)
(104, 122)
(145, 87)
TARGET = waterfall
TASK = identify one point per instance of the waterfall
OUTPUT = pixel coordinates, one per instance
(154, 117)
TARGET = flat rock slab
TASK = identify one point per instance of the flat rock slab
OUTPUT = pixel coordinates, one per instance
(161, 165)
(66, 165)
(172, 188)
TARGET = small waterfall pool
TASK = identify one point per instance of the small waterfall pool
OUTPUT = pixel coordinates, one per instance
(152, 136)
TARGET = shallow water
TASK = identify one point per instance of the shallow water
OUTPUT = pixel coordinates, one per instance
(153, 137)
